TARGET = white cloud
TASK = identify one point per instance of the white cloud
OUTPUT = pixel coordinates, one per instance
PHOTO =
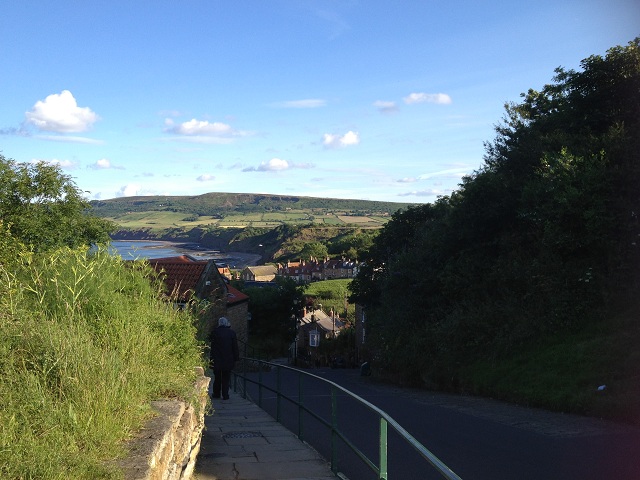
(330, 140)
(205, 177)
(385, 106)
(69, 139)
(198, 127)
(273, 165)
(422, 193)
(129, 190)
(60, 113)
(21, 132)
(438, 98)
(306, 103)
(203, 131)
(170, 113)
(302, 165)
(450, 172)
(407, 180)
(277, 165)
(103, 163)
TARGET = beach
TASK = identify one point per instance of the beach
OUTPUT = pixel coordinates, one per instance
(132, 249)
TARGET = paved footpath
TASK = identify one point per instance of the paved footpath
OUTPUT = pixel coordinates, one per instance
(243, 442)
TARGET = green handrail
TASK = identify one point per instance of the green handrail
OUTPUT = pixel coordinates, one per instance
(385, 420)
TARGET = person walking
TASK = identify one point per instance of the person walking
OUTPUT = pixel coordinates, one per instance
(224, 355)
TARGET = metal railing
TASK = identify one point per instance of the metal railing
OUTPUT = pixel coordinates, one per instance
(249, 351)
(241, 379)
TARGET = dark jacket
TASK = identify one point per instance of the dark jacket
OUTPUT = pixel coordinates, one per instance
(224, 348)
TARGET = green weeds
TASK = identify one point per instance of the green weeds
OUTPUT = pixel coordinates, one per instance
(86, 342)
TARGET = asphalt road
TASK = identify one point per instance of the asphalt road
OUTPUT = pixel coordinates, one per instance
(477, 438)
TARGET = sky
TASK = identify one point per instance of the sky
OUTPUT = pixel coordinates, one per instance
(369, 99)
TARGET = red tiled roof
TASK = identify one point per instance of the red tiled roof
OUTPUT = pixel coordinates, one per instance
(180, 274)
(235, 296)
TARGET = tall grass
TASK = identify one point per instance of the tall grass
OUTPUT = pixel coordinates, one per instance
(85, 343)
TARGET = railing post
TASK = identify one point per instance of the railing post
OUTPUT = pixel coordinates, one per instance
(278, 395)
(300, 407)
(334, 428)
(260, 383)
(244, 377)
(383, 449)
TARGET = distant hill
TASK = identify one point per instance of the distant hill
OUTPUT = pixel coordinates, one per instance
(218, 202)
(275, 226)
(242, 210)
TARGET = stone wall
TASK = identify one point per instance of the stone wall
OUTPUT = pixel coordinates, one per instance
(237, 315)
(167, 447)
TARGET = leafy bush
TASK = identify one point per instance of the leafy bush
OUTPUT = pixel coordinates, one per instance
(44, 209)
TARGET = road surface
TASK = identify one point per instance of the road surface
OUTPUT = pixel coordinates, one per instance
(477, 438)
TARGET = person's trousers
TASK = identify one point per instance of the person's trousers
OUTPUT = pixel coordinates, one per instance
(221, 383)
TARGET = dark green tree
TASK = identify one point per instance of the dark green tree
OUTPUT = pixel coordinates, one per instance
(541, 239)
(43, 208)
(353, 245)
(273, 311)
(315, 250)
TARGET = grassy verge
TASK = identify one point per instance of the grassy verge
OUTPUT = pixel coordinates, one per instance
(564, 373)
(85, 343)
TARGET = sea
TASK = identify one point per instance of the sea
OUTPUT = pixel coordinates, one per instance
(148, 249)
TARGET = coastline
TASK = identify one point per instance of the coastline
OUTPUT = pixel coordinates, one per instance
(149, 249)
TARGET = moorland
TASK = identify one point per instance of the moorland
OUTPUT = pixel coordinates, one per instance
(275, 226)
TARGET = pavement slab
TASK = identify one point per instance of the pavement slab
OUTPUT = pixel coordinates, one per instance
(243, 442)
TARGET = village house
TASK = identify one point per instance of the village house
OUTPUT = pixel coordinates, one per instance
(339, 268)
(314, 326)
(301, 271)
(308, 271)
(185, 278)
(225, 271)
(238, 315)
(262, 273)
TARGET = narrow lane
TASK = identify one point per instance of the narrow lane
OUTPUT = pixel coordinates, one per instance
(476, 438)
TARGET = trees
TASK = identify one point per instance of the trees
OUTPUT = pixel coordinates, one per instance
(314, 250)
(271, 311)
(541, 240)
(44, 209)
(353, 244)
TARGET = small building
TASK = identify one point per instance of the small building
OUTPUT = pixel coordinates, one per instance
(339, 268)
(238, 315)
(185, 278)
(301, 271)
(225, 271)
(316, 323)
(324, 269)
(262, 273)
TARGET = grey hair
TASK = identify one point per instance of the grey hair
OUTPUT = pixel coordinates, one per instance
(223, 322)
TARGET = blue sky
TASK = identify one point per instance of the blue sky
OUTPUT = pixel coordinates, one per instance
(368, 99)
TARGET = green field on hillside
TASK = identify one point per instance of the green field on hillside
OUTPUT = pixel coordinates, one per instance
(242, 210)
(167, 219)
